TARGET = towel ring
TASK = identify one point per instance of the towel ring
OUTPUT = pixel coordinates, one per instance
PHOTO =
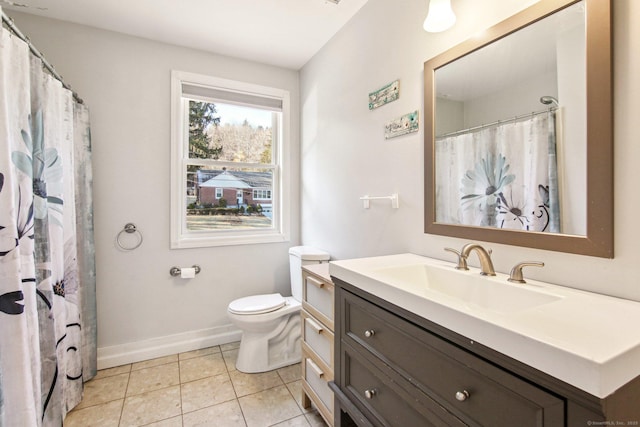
(129, 229)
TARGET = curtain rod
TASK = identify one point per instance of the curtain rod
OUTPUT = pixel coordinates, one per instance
(14, 29)
(496, 123)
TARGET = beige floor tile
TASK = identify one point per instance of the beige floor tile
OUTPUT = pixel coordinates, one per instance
(195, 388)
(169, 422)
(110, 372)
(245, 384)
(197, 353)
(230, 357)
(201, 367)
(315, 419)
(104, 415)
(299, 421)
(226, 414)
(269, 407)
(104, 390)
(151, 407)
(230, 346)
(290, 373)
(155, 378)
(206, 392)
(295, 388)
(154, 362)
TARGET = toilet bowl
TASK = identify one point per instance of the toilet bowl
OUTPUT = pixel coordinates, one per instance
(270, 323)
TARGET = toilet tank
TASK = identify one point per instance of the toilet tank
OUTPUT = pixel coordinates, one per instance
(299, 256)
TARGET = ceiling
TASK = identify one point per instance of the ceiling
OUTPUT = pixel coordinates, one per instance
(285, 33)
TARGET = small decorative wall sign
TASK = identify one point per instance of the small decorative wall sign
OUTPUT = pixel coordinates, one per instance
(402, 125)
(384, 95)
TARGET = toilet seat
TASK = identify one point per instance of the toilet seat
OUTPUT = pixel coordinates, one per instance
(257, 304)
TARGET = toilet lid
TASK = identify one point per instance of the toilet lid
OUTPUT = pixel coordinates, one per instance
(257, 304)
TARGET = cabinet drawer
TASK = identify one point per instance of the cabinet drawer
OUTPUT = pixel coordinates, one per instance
(474, 390)
(318, 338)
(316, 379)
(386, 400)
(317, 298)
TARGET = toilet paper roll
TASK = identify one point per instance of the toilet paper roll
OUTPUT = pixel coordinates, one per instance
(187, 272)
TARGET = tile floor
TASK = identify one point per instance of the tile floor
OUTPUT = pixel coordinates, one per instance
(197, 388)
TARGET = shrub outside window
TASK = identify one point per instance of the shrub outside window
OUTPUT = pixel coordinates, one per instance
(229, 162)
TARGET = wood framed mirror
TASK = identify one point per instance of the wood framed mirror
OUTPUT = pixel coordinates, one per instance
(539, 81)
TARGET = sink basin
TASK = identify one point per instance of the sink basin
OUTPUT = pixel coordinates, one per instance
(469, 288)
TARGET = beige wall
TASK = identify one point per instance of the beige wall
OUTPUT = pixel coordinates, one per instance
(345, 155)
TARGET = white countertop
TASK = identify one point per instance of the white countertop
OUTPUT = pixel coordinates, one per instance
(588, 340)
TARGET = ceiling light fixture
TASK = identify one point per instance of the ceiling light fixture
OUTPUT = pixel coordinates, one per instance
(440, 16)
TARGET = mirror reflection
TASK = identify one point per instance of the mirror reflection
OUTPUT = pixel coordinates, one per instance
(510, 131)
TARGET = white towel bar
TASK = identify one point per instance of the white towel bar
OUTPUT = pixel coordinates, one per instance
(395, 202)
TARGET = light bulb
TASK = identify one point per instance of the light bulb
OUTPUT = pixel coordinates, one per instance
(440, 16)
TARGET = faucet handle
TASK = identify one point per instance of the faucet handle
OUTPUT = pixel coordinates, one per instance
(462, 260)
(516, 271)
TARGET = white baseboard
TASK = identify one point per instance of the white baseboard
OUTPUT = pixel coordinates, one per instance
(123, 354)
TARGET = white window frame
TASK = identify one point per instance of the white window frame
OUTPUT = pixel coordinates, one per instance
(281, 187)
(219, 193)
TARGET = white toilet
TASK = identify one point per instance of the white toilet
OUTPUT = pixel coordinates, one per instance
(270, 323)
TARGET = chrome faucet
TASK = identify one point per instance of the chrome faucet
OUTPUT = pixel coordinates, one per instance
(485, 258)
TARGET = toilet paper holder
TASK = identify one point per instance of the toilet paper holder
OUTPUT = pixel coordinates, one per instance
(176, 271)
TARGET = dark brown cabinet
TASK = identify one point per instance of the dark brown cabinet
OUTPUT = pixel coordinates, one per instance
(394, 368)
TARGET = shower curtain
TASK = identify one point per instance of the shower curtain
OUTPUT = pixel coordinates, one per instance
(47, 272)
(504, 176)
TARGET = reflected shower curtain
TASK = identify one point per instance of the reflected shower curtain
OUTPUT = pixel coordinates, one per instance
(503, 176)
(47, 274)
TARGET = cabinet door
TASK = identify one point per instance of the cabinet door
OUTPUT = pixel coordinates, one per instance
(477, 392)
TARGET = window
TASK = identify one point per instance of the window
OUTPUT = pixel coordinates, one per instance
(262, 194)
(229, 169)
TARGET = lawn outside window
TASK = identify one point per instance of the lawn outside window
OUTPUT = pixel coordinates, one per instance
(229, 162)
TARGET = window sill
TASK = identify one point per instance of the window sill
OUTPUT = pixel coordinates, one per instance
(237, 239)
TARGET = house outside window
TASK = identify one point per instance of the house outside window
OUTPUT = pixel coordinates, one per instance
(230, 177)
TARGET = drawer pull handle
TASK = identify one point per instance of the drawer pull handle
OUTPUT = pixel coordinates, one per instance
(315, 368)
(315, 282)
(369, 394)
(314, 325)
(369, 333)
(462, 395)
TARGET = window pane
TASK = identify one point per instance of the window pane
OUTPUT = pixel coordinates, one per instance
(230, 132)
(229, 198)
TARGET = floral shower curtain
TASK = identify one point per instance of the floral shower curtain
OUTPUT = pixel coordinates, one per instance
(47, 272)
(503, 176)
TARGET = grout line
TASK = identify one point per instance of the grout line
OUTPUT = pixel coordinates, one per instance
(124, 399)
(180, 385)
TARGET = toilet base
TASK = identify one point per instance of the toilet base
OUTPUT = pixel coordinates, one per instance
(261, 353)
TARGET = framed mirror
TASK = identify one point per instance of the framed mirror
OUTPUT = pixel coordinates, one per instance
(519, 132)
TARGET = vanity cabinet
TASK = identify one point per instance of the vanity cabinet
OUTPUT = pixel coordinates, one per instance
(394, 368)
(318, 339)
